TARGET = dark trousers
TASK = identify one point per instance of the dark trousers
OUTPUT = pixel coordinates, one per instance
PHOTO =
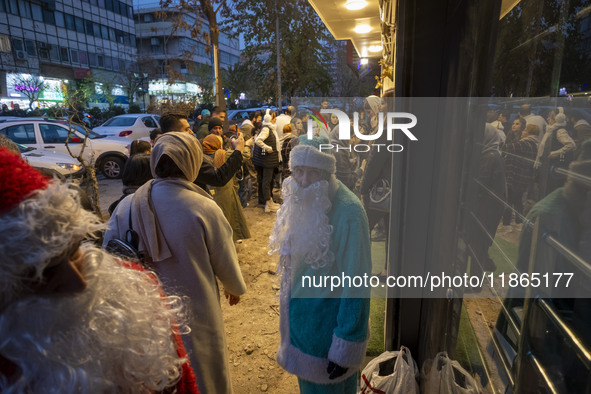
(265, 181)
(515, 201)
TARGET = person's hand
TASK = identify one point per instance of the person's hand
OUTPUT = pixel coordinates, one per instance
(238, 142)
(269, 149)
(233, 299)
(334, 370)
(553, 155)
(249, 142)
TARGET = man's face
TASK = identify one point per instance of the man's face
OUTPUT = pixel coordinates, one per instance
(185, 127)
(306, 176)
(259, 119)
(219, 115)
(324, 105)
(502, 118)
(217, 130)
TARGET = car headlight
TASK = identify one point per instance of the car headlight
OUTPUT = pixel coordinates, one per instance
(69, 167)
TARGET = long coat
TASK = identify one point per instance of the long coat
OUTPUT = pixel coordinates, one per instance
(227, 199)
(200, 240)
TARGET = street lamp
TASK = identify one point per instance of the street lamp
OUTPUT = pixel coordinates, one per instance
(141, 78)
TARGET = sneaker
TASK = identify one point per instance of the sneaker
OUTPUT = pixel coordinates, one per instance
(270, 208)
(274, 204)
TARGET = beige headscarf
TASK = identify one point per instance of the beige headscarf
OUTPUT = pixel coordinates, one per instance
(185, 151)
(374, 103)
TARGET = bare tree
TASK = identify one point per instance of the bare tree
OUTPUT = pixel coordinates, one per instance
(199, 8)
(31, 86)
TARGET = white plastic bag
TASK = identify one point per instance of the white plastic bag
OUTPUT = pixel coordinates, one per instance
(445, 376)
(390, 373)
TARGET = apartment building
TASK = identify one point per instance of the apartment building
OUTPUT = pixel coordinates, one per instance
(167, 47)
(63, 41)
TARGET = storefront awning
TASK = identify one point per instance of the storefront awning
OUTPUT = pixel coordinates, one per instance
(347, 24)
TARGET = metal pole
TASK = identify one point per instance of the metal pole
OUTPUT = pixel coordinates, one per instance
(277, 38)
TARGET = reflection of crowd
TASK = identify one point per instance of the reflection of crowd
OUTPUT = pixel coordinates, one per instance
(536, 154)
(541, 178)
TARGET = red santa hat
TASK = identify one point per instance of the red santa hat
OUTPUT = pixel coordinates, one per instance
(39, 219)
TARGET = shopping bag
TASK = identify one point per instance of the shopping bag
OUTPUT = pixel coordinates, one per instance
(443, 375)
(390, 373)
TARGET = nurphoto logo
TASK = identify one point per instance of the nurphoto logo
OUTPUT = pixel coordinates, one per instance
(317, 125)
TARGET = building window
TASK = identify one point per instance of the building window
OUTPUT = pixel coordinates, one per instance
(115, 64)
(96, 28)
(156, 45)
(83, 58)
(112, 34)
(54, 53)
(37, 13)
(59, 19)
(105, 32)
(100, 60)
(30, 46)
(79, 25)
(17, 44)
(94, 2)
(88, 25)
(149, 17)
(92, 59)
(64, 54)
(5, 43)
(25, 9)
(43, 51)
(108, 62)
(13, 8)
(48, 17)
(69, 22)
(74, 55)
(109, 5)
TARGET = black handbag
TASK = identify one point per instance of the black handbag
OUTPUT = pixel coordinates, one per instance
(127, 248)
(379, 196)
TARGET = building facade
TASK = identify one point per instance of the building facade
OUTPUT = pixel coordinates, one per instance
(63, 41)
(170, 51)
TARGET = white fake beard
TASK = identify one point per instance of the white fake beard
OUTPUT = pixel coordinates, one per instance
(115, 336)
(302, 227)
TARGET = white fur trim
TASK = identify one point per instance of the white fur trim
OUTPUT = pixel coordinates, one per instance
(306, 155)
(306, 366)
(347, 353)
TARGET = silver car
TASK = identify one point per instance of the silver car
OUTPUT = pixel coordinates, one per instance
(132, 126)
(51, 163)
(107, 154)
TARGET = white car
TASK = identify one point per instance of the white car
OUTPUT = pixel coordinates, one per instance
(132, 126)
(107, 154)
(51, 163)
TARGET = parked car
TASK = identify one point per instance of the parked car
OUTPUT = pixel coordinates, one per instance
(107, 154)
(132, 126)
(237, 116)
(51, 163)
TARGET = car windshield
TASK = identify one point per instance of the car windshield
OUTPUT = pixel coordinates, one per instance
(120, 122)
(91, 134)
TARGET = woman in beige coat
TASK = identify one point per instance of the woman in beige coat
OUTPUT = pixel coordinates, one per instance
(190, 243)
